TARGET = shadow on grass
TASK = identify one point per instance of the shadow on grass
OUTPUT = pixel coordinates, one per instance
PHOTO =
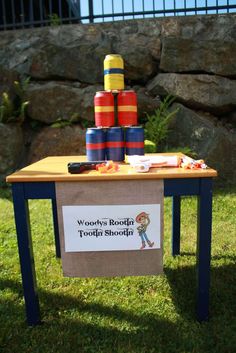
(213, 257)
(79, 325)
(222, 292)
(223, 189)
(128, 331)
(5, 192)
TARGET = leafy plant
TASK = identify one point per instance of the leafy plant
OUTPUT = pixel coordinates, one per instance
(157, 126)
(185, 150)
(6, 108)
(21, 87)
(60, 122)
(55, 20)
(13, 110)
(149, 146)
(85, 124)
(35, 124)
(75, 118)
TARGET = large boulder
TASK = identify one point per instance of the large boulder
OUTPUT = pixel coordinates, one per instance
(146, 103)
(207, 138)
(207, 92)
(76, 52)
(60, 100)
(11, 148)
(71, 52)
(199, 43)
(16, 50)
(67, 141)
(139, 43)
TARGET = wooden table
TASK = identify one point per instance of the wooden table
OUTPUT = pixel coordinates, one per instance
(37, 181)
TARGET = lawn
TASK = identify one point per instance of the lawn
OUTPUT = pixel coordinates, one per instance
(130, 314)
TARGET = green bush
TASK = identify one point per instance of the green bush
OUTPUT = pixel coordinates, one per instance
(13, 110)
(157, 126)
(185, 150)
(149, 146)
(54, 19)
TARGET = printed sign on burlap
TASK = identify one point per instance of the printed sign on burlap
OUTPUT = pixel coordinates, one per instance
(110, 228)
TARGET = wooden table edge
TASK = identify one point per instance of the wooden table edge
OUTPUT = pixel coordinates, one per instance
(53, 169)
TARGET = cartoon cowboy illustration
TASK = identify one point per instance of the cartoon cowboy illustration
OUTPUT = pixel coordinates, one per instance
(144, 220)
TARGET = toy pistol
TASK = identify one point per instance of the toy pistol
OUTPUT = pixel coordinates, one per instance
(79, 167)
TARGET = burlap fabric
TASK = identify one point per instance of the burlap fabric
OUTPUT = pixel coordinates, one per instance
(114, 192)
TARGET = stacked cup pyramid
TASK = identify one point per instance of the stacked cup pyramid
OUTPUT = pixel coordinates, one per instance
(116, 132)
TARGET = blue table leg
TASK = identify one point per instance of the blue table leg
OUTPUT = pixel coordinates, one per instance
(176, 201)
(56, 230)
(26, 254)
(204, 248)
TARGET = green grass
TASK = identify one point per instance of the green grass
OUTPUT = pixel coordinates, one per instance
(130, 314)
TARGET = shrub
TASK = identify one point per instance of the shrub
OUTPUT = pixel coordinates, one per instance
(157, 126)
(149, 146)
(13, 110)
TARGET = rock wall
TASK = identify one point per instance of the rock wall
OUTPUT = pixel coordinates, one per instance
(192, 58)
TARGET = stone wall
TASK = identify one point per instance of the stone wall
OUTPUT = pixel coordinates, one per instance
(192, 58)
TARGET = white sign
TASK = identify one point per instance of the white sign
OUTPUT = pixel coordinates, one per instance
(111, 227)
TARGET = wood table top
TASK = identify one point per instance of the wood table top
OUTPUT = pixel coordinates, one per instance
(55, 169)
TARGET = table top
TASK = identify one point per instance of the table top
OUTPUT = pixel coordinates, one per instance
(55, 169)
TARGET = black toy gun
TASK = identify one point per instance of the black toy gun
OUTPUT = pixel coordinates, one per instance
(79, 167)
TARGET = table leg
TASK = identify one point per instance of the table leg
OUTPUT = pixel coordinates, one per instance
(176, 201)
(26, 254)
(204, 248)
(56, 230)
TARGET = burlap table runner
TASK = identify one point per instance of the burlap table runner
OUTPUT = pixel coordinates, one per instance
(114, 192)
